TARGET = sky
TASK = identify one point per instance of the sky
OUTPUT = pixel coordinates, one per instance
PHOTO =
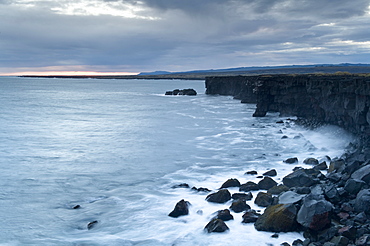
(129, 36)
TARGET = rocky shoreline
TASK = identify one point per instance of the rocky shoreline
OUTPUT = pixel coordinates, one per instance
(329, 202)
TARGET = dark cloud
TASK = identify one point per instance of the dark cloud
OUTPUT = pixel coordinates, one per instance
(182, 35)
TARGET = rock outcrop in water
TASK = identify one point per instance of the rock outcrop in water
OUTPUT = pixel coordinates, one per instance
(184, 92)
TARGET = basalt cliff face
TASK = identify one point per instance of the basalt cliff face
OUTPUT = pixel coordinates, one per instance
(342, 100)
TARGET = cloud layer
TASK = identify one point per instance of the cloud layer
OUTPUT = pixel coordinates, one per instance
(177, 35)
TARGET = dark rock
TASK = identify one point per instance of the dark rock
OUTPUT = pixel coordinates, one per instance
(275, 235)
(303, 190)
(301, 177)
(362, 174)
(336, 166)
(348, 232)
(285, 244)
(279, 122)
(362, 201)
(251, 172)
(284, 137)
(271, 173)
(311, 161)
(250, 216)
(76, 207)
(187, 92)
(361, 218)
(290, 197)
(353, 186)
(239, 206)
(340, 241)
(183, 185)
(334, 177)
(266, 183)
(321, 166)
(278, 218)
(92, 224)
(314, 213)
(181, 208)
(242, 196)
(363, 240)
(216, 225)
(224, 215)
(331, 193)
(201, 189)
(231, 183)
(249, 186)
(277, 189)
(220, 196)
(352, 166)
(263, 199)
(291, 160)
(297, 242)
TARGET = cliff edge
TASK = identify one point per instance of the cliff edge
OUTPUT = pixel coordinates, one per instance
(339, 99)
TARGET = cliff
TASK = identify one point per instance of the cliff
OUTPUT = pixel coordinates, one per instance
(342, 100)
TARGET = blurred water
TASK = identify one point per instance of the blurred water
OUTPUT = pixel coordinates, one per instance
(116, 147)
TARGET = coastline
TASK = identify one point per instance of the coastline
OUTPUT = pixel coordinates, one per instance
(334, 209)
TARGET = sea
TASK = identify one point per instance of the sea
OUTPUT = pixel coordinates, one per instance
(110, 151)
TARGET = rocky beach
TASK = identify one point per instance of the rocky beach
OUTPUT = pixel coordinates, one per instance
(330, 201)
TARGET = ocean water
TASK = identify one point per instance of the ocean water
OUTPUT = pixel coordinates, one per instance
(116, 148)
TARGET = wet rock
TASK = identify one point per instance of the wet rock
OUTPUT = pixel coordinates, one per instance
(220, 196)
(263, 199)
(311, 161)
(231, 183)
(181, 208)
(361, 218)
(216, 225)
(251, 173)
(353, 186)
(249, 186)
(291, 160)
(186, 92)
(340, 241)
(362, 174)
(242, 196)
(297, 242)
(183, 185)
(76, 207)
(314, 213)
(270, 173)
(336, 166)
(301, 177)
(239, 206)
(224, 215)
(290, 197)
(331, 193)
(363, 240)
(250, 216)
(362, 201)
(321, 166)
(92, 224)
(201, 189)
(303, 190)
(348, 232)
(266, 183)
(284, 137)
(278, 218)
(277, 189)
(275, 235)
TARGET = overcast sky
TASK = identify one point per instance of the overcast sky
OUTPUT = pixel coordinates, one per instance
(180, 35)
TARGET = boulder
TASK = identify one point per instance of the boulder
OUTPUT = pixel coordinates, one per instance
(314, 213)
(249, 186)
(336, 166)
(186, 92)
(216, 225)
(224, 215)
(291, 160)
(183, 185)
(263, 199)
(362, 174)
(277, 189)
(301, 177)
(251, 173)
(201, 189)
(181, 208)
(290, 197)
(242, 196)
(331, 193)
(220, 196)
(270, 173)
(231, 183)
(362, 201)
(92, 224)
(321, 166)
(239, 206)
(266, 183)
(250, 216)
(311, 161)
(353, 186)
(278, 218)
